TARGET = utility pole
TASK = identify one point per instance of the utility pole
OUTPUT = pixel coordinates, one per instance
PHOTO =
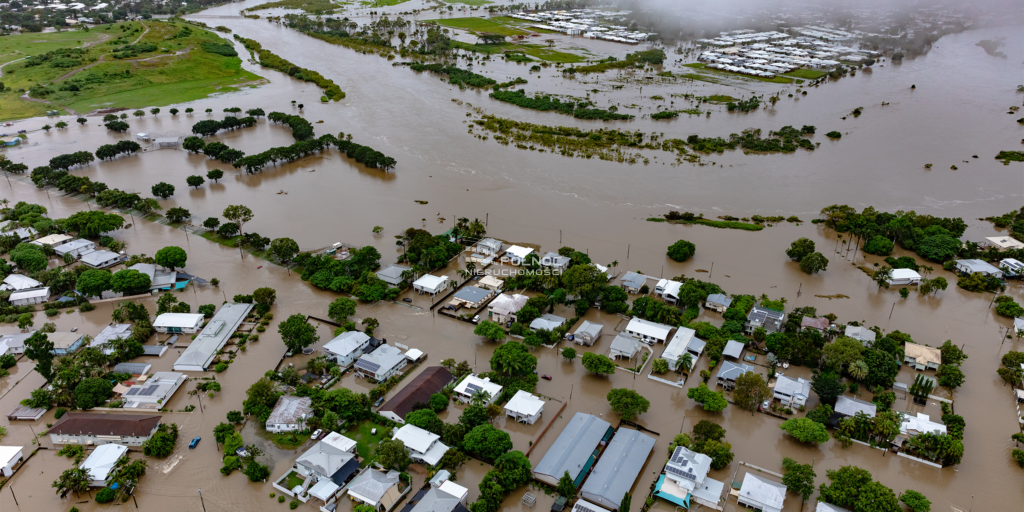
(12, 485)
(199, 395)
(891, 310)
(201, 500)
(712, 270)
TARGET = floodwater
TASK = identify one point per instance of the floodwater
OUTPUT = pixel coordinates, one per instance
(596, 207)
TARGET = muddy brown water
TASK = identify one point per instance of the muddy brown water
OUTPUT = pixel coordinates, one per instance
(596, 207)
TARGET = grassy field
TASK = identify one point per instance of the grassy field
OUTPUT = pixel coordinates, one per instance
(170, 64)
(702, 67)
(470, 2)
(809, 74)
(312, 6)
(533, 50)
(721, 224)
(19, 46)
(479, 25)
(366, 443)
(288, 440)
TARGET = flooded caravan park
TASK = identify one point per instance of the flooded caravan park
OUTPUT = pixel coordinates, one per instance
(596, 207)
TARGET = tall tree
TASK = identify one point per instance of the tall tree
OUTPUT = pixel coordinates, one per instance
(171, 257)
(238, 214)
(750, 391)
(40, 349)
(296, 333)
(627, 403)
(798, 478)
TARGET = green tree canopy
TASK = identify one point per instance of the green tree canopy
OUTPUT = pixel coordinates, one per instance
(798, 478)
(710, 400)
(92, 392)
(341, 309)
(681, 250)
(490, 330)
(813, 263)
(296, 333)
(129, 282)
(426, 419)
(284, 249)
(598, 363)
(750, 391)
(391, 454)
(487, 442)
(238, 214)
(805, 430)
(800, 248)
(513, 359)
(163, 190)
(40, 349)
(92, 224)
(93, 282)
(171, 257)
(627, 403)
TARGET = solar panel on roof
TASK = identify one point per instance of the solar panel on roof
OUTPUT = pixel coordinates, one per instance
(367, 365)
(584, 508)
(474, 387)
(149, 391)
(133, 391)
(685, 474)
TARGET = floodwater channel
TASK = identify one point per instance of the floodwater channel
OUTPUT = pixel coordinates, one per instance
(957, 110)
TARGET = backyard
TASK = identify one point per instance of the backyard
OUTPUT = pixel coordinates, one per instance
(365, 441)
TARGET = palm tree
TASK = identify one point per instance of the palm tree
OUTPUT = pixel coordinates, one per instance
(74, 480)
(480, 398)
(685, 363)
(69, 258)
(858, 370)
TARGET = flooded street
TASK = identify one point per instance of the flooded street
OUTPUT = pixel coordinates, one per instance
(957, 110)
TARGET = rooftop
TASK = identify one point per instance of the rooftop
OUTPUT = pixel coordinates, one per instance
(547, 321)
(589, 328)
(16, 282)
(472, 294)
(820, 323)
(922, 354)
(431, 380)
(216, 333)
(506, 304)
(793, 387)
(471, 385)
(620, 465)
(430, 281)
(290, 410)
(573, 446)
(328, 455)
(373, 484)
(381, 360)
(850, 406)
(719, 298)
(415, 438)
(772, 494)
(648, 328)
(731, 371)
(393, 272)
(102, 460)
(524, 403)
(100, 424)
(179, 320)
(634, 280)
(347, 342)
(860, 333)
(518, 251)
(689, 466)
(733, 349)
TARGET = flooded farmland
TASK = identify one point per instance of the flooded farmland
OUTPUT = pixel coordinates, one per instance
(956, 110)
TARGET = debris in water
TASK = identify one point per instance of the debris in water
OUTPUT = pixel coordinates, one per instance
(830, 297)
(419, 201)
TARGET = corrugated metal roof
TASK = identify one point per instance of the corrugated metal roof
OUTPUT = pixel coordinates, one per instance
(573, 446)
(620, 464)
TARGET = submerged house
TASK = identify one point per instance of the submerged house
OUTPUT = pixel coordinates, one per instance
(647, 331)
(685, 341)
(203, 350)
(717, 302)
(381, 364)
(377, 489)
(668, 290)
(792, 392)
(761, 494)
(982, 267)
(587, 333)
(729, 372)
(91, 428)
(178, 323)
(423, 447)
(633, 281)
(346, 347)
(505, 307)
(685, 479)
(573, 450)
(290, 414)
(392, 274)
(922, 357)
(430, 284)
(771, 320)
(472, 385)
(418, 391)
(524, 407)
(101, 462)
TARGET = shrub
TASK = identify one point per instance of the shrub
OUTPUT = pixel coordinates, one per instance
(106, 495)
(221, 366)
(59, 412)
(280, 499)
(293, 505)
(681, 250)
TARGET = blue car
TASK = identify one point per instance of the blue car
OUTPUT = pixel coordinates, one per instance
(194, 443)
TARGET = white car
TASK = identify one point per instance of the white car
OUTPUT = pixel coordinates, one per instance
(316, 435)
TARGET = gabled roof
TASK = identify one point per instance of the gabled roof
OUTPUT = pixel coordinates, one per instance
(731, 371)
(100, 424)
(30, 293)
(392, 271)
(506, 304)
(719, 298)
(518, 251)
(825, 507)
(472, 294)
(904, 273)
(216, 333)
(670, 288)
(325, 457)
(524, 403)
(620, 465)
(8, 453)
(820, 323)
(763, 315)
(922, 354)
(793, 387)
(978, 266)
(374, 484)
(860, 333)
(179, 320)
(554, 259)
(290, 410)
(920, 424)
(431, 380)
(429, 281)
(347, 342)
(733, 349)
(771, 494)
(547, 321)
(850, 406)
(573, 446)
(415, 438)
(471, 385)
(634, 280)
(589, 328)
(16, 282)
(648, 328)
(433, 500)
(102, 460)
(689, 466)
(381, 360)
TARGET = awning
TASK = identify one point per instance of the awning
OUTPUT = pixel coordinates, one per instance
(684, 502)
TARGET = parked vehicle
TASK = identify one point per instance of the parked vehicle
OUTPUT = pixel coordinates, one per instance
(241, 452)
(194, 443)
(316, 435)
(545, 377)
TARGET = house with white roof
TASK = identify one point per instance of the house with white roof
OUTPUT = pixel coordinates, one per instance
(762, 494)
(159, 277)
(555, 261)
(904, 277)
(913, 425)
(547, 321)
(668, 290)
(488, 246)
(733, 349)
(684, 341)
(13, 344)
(922, 357)
(825, 507)
(10, 456)
(101, 259)
(23, 234)
(624, 346)
(29, 297)
(430, 284)
(1011, 267)
(771, 320)
(154, 392)
(327, 457)
(290, 414)
(516, 255)
(1003, 243)
(685, 478)
(470, 296)
(966, 267)
(847, 407)
(346, 347)
(792, 392)
(505, 307)
(392, 274)
(51, 240)
(16, 282)
(101, 462)
(381, 364)
(423, 447)
(473, 385)
(75, 248)
(587, 333)
(177, 323)
(861, 334)
(524, 407)
(647, 331)
(198, 356)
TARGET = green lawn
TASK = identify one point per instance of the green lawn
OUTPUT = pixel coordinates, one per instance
(479, 25)
(810, 74)
(16, 46)
(471, 2)
(366, 443)
(293, 480)
(289, 440)
(312, 6)
(533, 50)
(101, 81)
